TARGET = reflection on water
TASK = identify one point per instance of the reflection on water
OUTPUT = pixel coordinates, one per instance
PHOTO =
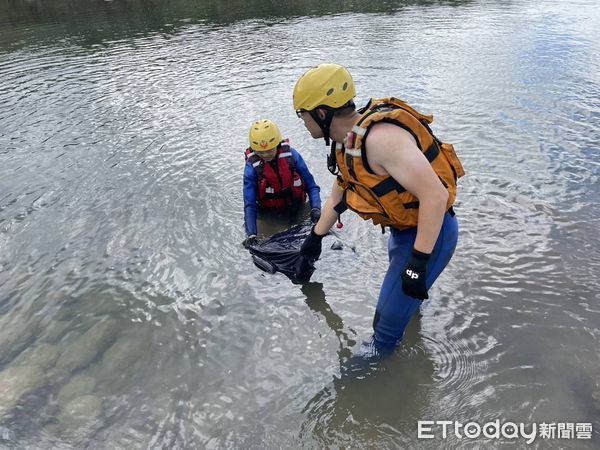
(370, 393)
(130, 315)
(38, 21)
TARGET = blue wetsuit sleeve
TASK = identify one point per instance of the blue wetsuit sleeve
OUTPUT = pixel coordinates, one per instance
(312, 189)
(250, 195)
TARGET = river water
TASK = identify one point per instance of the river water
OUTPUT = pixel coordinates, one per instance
(130, 315)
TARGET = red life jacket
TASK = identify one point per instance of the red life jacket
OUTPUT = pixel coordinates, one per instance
(282, 188)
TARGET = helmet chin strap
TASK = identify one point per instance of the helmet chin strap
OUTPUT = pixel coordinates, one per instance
(325, 123)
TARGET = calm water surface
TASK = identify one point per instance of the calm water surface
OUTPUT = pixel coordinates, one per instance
(130, 315)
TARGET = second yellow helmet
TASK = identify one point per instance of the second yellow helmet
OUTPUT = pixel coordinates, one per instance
(324, 85)
(264, 135)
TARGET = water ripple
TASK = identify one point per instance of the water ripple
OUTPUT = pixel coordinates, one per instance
(123, 285)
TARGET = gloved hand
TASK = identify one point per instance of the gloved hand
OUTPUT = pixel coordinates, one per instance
(311, 246)
(250, 241)
(415, 274)
(315, 214)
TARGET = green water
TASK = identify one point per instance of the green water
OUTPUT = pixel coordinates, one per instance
(130, 315)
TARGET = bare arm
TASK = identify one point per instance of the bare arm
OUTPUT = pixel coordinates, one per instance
(328, 215)
(393, 151)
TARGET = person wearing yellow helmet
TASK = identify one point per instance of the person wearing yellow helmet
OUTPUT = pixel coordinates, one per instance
(276, 178)
(391, 169)
(322, 92)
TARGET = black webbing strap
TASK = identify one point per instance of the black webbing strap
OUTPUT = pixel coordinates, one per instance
(390, 184)
(284, 193)
(331, 161)
(386, 186)
(340, 207)
(411, 205)
(432, 152)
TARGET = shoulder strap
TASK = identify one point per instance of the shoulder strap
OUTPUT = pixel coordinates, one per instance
(331, 161)
(256, 162)
(285, 151)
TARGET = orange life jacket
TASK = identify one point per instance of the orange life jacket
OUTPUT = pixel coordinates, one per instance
(281, 188)
(381, 198)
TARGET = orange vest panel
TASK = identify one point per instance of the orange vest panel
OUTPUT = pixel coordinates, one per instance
(381, 198)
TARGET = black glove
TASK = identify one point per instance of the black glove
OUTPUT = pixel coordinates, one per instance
(415, 275)
(311, 246)
(315, 214)
(250, 241)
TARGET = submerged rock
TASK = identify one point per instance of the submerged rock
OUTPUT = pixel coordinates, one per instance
(55, 330)
(80, 411)
(122, 355)
(87, 347)
(125, 360)
(42, 355)
(16, 333)
(79, 385)
(15, 383)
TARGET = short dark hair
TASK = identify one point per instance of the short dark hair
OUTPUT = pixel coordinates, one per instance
(346, 110)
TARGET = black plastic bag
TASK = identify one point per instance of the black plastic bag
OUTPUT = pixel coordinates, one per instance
(281, 253)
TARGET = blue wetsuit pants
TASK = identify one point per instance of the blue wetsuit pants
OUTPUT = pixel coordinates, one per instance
(394, 308)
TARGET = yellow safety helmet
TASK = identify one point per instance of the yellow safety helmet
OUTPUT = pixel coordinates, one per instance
(264, 135)
(324, 85)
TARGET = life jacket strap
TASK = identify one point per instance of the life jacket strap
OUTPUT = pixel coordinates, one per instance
(284, 193)
(340, 207)
(390, 184)
(331, 161)
(386, 186)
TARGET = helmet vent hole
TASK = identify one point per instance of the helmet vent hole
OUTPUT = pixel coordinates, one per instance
(345, 86)
(330, 91)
